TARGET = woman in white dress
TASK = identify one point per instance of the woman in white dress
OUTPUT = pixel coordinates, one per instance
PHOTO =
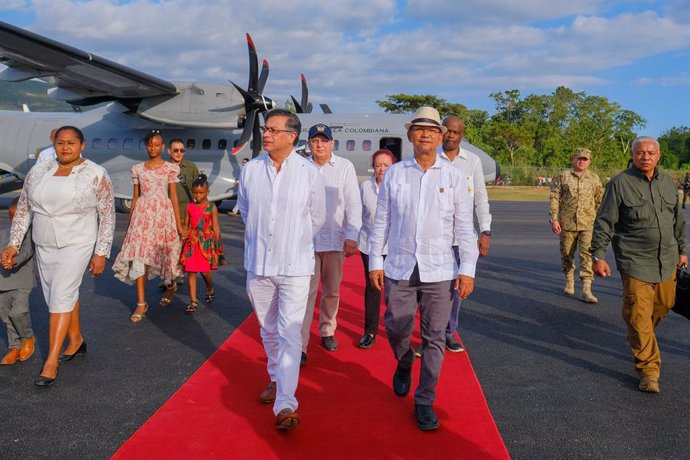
(369, 189)
(69, 203)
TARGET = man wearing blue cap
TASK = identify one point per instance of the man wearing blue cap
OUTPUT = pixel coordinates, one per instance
(337, 238)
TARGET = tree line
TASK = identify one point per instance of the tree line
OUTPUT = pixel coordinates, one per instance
(544, 130)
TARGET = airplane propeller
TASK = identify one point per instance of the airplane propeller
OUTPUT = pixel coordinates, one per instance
(304, 106)
(255, 102)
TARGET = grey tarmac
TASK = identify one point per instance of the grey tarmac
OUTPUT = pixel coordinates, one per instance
(556, 372)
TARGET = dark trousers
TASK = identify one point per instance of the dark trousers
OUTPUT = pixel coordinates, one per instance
(454, 319)
(686, 192)
(434, 306)
(372, 300)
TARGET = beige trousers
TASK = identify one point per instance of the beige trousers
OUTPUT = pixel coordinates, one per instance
(329, 271)
(644, 306)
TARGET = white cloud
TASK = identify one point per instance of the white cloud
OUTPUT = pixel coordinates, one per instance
(12, 5)
(499, 11)
(356, 52)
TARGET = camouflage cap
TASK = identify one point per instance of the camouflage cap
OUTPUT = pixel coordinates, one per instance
(581, 152)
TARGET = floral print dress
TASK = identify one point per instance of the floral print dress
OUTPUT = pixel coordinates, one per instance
(201, 251)
(151, 239)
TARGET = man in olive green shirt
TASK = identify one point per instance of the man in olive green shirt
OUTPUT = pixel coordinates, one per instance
(641, 216)
(576, 194)
(188, 174)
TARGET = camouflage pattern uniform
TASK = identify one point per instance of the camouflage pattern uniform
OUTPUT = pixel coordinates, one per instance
(574, 203)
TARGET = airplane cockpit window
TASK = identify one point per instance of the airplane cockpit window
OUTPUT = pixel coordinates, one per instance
(112, 143)
(366, 146)
(128, 143)
(222, 144)
(350, 145)
(191, 143)
(97, 143)
(206, 144)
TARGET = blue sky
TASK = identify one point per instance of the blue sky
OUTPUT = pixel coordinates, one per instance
(636, 53)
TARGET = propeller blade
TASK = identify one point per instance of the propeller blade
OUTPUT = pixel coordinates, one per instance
(248, 127)
(253, 66)
(325, 108)
(263, 77)
(256, 136)
(305, 93)
(298, 107)
(238, 149)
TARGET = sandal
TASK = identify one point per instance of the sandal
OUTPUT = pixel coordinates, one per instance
(210, 295)
(136, 317)
(168, 296)
(191, 308)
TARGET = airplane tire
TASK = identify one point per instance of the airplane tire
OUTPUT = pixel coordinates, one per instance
(126, 205)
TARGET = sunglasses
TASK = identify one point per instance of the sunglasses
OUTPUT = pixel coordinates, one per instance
(178, 150)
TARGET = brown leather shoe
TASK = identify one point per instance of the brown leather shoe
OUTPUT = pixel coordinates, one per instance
(11, 357)
(287, 419)
(269, 394)
(27, 348)
(649, 385)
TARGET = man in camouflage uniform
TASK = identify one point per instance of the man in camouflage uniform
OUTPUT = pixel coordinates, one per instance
(575, 198)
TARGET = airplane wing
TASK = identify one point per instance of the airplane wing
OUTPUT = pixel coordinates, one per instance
(81, 78)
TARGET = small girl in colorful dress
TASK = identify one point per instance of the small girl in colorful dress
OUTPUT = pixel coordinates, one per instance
(152, 243)
(202, 250)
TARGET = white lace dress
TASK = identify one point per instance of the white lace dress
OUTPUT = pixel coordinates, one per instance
(73, 217)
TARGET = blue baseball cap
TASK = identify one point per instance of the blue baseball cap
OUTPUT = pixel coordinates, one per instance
(322, 129)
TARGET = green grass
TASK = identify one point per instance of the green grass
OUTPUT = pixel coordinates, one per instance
(518, 193)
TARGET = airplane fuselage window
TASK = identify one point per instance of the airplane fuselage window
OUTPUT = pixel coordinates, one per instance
(127, 144)
(206, 144)
(366, 145)
(142, 144)
(112, 143)
(336, 145)
(222, 144)
(97, 143)
(191, 144)
(350, 146)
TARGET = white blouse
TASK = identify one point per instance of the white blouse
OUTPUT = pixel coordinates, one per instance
(74, 209)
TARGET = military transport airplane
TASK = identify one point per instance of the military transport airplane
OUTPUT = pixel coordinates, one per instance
(208, 117)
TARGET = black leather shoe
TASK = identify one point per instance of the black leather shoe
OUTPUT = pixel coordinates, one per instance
(329, 343)
(42, 381)
(80, 351)
(426, 418)
(401, 381)
(453, 345)
(303, 360)
(367, 341)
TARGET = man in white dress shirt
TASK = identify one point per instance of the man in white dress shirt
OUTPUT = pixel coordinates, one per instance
(49, 152)
(281, 200)
(337, 238)
(470, 166)
(423, 207)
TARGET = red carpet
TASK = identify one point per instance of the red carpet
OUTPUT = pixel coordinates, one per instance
(347, 405)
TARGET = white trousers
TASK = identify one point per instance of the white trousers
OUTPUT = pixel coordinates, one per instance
(279, 303)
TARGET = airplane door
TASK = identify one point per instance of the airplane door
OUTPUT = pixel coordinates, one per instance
(14, 156)
(394, 144)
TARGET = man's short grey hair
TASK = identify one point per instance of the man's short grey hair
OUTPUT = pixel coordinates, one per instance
(644, 139)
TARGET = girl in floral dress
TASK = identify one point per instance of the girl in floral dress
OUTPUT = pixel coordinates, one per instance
(202, 250)
(152, 243)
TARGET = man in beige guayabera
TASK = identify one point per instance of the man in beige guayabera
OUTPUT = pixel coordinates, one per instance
(575, 198)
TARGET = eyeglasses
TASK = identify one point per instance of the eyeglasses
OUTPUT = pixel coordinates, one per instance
(426, 129)
(318, 141)
(178, 150)
(273, 131)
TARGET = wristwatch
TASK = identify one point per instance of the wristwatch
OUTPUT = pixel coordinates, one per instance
(486, 232)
